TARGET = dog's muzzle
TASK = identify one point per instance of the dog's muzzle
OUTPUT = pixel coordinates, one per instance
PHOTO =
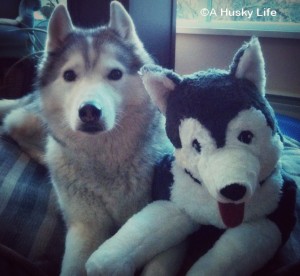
(231, 177)
(90, 114)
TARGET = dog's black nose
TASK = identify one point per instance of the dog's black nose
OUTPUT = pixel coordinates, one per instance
(234, 191)
(89, 112)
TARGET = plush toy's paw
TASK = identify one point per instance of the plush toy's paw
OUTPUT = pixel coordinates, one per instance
(206, 271)
(197, 269)
(104, 264)
(213, 268)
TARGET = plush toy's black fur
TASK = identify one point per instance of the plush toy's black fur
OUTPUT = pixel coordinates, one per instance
(194, 96)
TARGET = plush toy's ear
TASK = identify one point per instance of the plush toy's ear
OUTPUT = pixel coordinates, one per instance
(159, 83)
(121, 22)
(60, 25)
(249, 63)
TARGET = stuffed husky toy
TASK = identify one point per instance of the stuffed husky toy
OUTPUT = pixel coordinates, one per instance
(225, 177)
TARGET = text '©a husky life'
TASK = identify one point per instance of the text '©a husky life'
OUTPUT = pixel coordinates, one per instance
(259, 12)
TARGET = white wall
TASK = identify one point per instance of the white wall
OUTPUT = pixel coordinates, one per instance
(282, 56)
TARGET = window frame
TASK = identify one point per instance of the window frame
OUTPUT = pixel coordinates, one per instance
(245, 28)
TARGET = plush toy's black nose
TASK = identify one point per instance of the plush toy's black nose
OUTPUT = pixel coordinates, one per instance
(89, 112)
(234, 191)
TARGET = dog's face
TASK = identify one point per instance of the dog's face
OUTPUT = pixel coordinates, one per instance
(222, 127)
(88, 77)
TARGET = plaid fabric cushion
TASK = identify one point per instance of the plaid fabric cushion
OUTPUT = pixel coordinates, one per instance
(30, 222)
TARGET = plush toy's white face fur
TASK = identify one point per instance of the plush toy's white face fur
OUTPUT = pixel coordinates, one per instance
(235, 162)
(230, 175)
(222, 185)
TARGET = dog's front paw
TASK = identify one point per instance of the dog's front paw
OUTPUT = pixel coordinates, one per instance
(101, 264)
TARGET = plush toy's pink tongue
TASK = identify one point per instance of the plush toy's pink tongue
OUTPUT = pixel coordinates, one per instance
(232, 214)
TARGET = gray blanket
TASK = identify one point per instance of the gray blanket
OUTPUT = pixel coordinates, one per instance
(32, 231)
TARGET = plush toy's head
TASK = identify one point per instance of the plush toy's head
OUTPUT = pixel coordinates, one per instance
(222, 127)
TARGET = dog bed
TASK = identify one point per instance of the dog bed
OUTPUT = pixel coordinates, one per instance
(32, 231)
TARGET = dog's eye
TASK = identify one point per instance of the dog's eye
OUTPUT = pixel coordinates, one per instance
(246, 137)
(70, 75)
(196, 145)
(115, 74)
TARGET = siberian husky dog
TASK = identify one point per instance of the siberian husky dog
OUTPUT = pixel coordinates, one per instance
(93, 123)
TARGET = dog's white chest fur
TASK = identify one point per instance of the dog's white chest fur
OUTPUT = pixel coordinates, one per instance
(96, 185)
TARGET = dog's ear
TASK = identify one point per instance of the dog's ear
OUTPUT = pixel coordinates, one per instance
(249, 63)
(60, 25)
(121, 22)
(159, 83)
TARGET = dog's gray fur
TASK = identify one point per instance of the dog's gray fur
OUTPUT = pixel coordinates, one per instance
(102, 176)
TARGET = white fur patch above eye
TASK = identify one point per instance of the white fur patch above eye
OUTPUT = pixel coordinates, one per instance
(108, 61)
(190, 130)
(75, 62)
(251, 120)
(264, 145)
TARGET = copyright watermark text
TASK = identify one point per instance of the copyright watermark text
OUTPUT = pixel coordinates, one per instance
(265, 12)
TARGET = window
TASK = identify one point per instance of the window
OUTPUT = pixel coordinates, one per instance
(260, 17)
(47, 8)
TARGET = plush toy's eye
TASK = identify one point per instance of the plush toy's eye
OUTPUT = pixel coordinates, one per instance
(69, 75)
(246, 136)
(196, 145)
(115, 74)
